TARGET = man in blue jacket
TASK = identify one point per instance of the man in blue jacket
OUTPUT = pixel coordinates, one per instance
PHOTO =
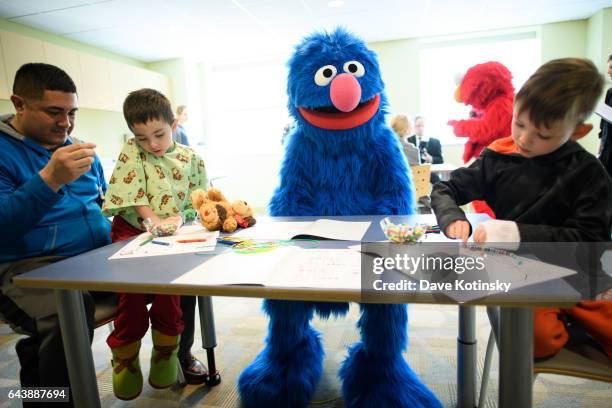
(51, 189)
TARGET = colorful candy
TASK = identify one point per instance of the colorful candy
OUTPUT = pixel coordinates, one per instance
(402, 233)
(163, 229)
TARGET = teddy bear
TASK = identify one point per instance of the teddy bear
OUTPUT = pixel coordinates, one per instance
(213, 217)
(217, 213)
(243, 213)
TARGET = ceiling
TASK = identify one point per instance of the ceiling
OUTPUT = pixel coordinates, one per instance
(152, 30)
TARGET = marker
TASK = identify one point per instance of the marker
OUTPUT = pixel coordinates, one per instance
(186, 241)
(146, 241)
(160, 242)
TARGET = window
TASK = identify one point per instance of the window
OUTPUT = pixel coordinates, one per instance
(441, 62)
(248, 107)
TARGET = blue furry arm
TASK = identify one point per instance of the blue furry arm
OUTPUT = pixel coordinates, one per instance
(291, 199)
(395, 193)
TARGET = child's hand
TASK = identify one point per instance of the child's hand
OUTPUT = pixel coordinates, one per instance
(459, 230)
(480, 235)
(163, 227)
(501, 234)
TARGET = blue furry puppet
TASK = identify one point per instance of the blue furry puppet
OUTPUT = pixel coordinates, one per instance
(341, 160)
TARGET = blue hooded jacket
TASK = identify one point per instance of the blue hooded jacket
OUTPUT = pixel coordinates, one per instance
(35, 220)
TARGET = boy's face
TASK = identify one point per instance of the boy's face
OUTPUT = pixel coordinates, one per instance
(532, 141)
(155, 136)
(610, 68)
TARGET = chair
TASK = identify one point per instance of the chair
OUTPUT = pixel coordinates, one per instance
(420, 179)
(581, 357)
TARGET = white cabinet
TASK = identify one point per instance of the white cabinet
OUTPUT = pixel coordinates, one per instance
(101, 83)
(66, 59)
(18, 50)
(96, 82)
(127, 78)
(5, 89)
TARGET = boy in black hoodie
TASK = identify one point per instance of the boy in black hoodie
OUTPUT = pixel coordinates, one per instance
(548, 190)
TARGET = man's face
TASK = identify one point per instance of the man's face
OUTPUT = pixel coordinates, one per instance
(419, 126)
(610, 68)
(154, 137)
(532, 141)
(48, 120)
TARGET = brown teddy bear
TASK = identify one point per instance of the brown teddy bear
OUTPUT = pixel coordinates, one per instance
(217, 213)
(243, 214)
(212, 216)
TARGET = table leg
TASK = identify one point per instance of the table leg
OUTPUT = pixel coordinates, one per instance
(516, 357)
(209, 338)
(466, 357)
(81, 369)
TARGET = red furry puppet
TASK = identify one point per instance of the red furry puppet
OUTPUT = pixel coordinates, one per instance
(488, 89)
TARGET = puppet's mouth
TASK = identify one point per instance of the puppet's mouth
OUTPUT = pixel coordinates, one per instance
(330, 118)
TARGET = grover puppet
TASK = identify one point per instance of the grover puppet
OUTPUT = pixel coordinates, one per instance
(341, 160)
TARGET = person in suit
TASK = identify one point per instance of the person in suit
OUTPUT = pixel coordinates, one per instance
(430, 148)
(605, 130)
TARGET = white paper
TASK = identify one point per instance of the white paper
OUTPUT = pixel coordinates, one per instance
(516, 270)
(266, 229)
(604, 111)
(323, 228)
(232, 268)
(134, 249)
(319, 268)
(289, 267)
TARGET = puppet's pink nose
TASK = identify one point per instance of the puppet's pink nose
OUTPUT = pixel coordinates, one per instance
(345, 92)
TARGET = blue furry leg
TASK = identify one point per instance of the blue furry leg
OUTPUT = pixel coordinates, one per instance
(288, 369)
(375, 373)
(327, 309)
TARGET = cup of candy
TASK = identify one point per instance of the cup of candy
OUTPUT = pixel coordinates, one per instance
(402, 232)
(163, 228)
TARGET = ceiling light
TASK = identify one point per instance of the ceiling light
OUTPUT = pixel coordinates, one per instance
(336, 3)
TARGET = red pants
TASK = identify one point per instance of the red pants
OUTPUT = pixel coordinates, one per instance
(132, 319)
(550, 333)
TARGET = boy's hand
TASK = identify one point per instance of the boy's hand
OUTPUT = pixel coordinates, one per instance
(67, 164)
(480, 235)
(501, 234)
(459, 230)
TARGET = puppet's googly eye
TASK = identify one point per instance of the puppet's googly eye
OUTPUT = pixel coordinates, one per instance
(325, 74)
(354, 68)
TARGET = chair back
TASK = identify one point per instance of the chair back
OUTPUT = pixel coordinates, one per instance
(420, 179)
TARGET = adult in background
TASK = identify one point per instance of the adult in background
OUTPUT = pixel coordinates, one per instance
(51, 188)
(430, 148)
(179, 135)
(402, 127)
(605, 130)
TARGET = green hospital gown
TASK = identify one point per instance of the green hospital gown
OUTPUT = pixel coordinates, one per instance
(163, 183)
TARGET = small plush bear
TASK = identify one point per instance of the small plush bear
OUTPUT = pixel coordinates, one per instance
(217, 213)
(243, 214)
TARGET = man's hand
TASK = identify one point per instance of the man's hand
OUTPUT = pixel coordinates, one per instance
(67, 164)
(459, 230)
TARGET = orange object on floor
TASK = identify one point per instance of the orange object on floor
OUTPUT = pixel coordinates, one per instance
(550, 332)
